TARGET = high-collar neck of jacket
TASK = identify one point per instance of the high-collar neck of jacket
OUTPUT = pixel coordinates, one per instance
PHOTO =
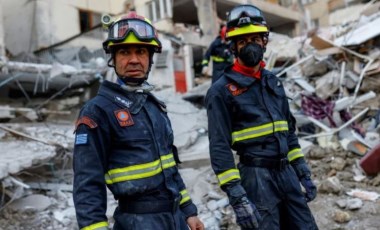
(248, 71)
(133, 101)
(244, 80)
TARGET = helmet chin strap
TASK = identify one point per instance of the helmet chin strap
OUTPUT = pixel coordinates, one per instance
(132, 80)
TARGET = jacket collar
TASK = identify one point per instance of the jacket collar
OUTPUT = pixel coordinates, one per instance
(245, 81)
(129, 100)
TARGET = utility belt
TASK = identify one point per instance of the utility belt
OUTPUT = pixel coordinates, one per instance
(277, 164)
(144, 207)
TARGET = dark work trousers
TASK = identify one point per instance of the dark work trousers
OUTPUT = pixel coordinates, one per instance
(149, 221)
(278, 197)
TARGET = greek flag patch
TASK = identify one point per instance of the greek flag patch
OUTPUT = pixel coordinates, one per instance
(81, 139)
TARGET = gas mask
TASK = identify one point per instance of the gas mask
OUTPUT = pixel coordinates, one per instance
(251, 54)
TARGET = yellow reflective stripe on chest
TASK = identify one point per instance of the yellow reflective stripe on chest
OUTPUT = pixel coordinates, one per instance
(259, 131)
(140, 171)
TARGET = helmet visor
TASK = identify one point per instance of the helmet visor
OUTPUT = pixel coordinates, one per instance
(250, 11)
(120, 30)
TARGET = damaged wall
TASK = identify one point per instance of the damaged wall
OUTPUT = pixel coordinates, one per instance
(14, 24)
(318, 11)
(163, 76)
(2, 47)
(44, 23)
(163, 24)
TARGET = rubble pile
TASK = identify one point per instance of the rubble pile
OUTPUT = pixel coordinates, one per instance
(333, 81)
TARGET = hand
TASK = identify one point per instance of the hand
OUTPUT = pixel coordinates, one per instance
(195, 223)
(204, 70)
(311, 190)
(247, 215)
(303, 173)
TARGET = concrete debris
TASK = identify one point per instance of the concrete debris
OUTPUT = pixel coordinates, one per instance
(65, 216)
(341, 217)
(364, 195)
(39, 146)
(33, 202)
(327, 85)
(285, 47)
(338, 163)
(353, 204)
(341, 203)
(335, 90)
(350, 204)
(331, 185)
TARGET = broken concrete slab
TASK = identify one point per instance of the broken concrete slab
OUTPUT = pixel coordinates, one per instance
(18, 154)
(313, 67)
(361, 34)
(364, 195)
(35, 202)
(331, 185)
(327, 85)
(353, 204)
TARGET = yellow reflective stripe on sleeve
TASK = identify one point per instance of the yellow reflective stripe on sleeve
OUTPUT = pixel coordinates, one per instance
(98, 226)
(228, 175)
(167, 161)
(204, 62)
(259, 131)
(140, 171)
(217, 59)
(294, 154)
(185, 196)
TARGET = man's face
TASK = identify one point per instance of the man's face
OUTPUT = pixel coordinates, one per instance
(250, 38)
(132, 61)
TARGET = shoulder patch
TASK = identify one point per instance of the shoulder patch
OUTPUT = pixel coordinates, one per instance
(124, 117)
(235, 90)
(86, 121)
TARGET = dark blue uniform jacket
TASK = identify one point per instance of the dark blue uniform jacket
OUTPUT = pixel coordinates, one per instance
(221, 55)
(124, 141)
(252, 117)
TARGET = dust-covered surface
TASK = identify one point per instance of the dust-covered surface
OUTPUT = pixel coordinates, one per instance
(55, 210)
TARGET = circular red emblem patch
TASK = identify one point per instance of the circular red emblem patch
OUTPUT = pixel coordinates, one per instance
(122, 116)
(233, 88)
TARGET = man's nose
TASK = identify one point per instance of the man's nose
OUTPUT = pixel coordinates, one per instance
(134, 58)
